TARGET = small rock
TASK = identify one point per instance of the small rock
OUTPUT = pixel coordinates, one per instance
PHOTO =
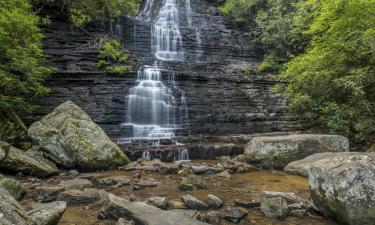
(247, 204)
(147, 182)
(274, 207)
(224, 174)
(117, 181)
(168, 168)
(76, 184)
(234, 214)
(123, 221)
(177, 204)
(205, 170)
(212, 217)
(192, 184)
(194, 203)
(47, 213)
(47, 194)
(160, 202)
(214, 202)
(134, 198)
(77, 197)
(73, 173)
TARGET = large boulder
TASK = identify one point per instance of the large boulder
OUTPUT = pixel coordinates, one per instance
(142, 213)
(70, 138)
(11, 212)
(278, 151)
(28, 163)
(301, 167)
(343, 188)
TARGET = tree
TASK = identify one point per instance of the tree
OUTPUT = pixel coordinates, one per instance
(333, 83)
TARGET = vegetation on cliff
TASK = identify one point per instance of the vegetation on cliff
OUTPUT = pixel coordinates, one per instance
(324, 51)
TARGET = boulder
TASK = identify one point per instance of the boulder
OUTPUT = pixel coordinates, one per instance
(117, 181)
(168, 168)
(205, 170)
(45, 194)
(279, 151)
(14, 187)
(192, 184)
(123, 221)
(212, 217)
(301, 167)
(343, 188)
(47, 213)
(70, 138)
(28, 163)
(214, 202)
(10, 211)
(160, 202)
(234, 214)
(143, 214)
(274, 207)
(194, 203)
(78, 197)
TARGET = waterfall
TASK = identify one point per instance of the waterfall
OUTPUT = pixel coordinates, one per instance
(146, 155)
(146, 12)
(182, 154)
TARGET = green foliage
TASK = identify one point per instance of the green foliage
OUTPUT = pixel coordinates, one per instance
(333, 83)
(22, 61)
(83, 11)
(113, 59)
(270, 64)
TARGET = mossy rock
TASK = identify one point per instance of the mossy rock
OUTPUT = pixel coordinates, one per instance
(14, 187)
(192, 184)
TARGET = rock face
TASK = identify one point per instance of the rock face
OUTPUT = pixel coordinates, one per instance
(278, 151)
(221, 99)
(28, 163)
(68, 137)
(343, 188)
(301, 167)
(10, 211)
(143, 214)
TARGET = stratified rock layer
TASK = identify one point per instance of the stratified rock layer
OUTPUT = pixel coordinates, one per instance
(68, 137)
(278, 151)
(343, 188)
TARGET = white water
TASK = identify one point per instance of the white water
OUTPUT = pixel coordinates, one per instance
(146, 12)
(146, 155)
(182, 154)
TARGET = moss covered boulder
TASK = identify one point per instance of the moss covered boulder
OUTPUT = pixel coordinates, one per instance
(70, 138)
(192, 184)
(279, 151)
(29, 163)
(13, 186)
(343, 188)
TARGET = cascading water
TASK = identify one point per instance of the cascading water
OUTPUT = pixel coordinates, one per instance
(152, 108)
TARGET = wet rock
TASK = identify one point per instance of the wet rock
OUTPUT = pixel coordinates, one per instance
(235, 166)
(76, 184)
(168, 168)
(212, 217)
(70, 138)
(28, 163)
(47, 193)
(10, 211)
(234, 214)
(205, 170)
(146, 183)
(143, 213)
(279, 151)
(343, 187)
(123, 221)
(78, 197)
(274, 207)
(291, 198)
(301, 167)
(194, 203)
(47, 213)
(117, 181)
(160, 202)
(247, 204)
(214, 202)
(14, 187)
(192, 184)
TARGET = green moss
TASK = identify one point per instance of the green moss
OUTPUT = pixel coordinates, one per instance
(192, 184)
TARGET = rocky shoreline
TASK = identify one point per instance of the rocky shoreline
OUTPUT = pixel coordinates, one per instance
(74, 174)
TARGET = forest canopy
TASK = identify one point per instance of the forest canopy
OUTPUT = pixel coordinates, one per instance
(324, 51)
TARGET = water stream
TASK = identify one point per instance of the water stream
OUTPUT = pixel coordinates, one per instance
(156, 105)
